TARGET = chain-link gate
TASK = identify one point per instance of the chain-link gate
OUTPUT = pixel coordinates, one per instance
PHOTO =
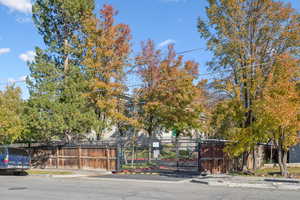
(159, 155)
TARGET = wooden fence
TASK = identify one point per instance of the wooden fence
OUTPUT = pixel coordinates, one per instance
(74, 157)
(212, 158)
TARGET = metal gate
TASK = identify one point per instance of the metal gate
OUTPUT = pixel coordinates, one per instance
(159, 155)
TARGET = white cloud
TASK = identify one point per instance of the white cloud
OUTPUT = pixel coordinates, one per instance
(166, 43)
(4, 50)
(18, 80)
(28, 56)
(23, 78)
(18, 5)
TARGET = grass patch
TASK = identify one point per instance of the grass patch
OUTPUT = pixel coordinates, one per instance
(294, 171)
(270, 172)
(44, 172)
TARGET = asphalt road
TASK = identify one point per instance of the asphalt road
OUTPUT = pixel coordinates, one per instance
(46, 188)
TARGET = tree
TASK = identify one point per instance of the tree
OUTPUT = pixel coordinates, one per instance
(245, 37)
(179, 98)
(60, 23)
(41, 107)
(280, 106)
(169, 97)
(11, 123)
(57, 107)
(147, 67)
(106, 56)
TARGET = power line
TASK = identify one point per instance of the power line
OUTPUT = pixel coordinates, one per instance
(207, 74)
(178, 53)
(11, 82)
(189, 51)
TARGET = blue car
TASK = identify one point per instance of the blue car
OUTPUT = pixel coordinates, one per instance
(14, 160)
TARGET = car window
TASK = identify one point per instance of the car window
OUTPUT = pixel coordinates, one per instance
(2, 150)
(19, 152)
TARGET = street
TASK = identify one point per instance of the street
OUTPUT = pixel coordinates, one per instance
(46, 188)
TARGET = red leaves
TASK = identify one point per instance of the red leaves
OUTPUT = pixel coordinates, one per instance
(169, 90)
(107, 14)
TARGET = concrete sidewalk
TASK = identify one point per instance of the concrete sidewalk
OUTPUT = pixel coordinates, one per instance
(248, 182)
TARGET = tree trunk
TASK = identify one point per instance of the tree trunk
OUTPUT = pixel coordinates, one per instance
(150, 147)
(132, 154)
(66, 61)
(282, 161)
(125, 157)
(149, 152)
(98, 136)
(282, 153)
(271, 156)
(177, 153)
(254, 159)
(68, 137)
(245, 161)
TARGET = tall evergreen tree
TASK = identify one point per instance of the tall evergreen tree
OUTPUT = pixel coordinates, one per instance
(57, 107)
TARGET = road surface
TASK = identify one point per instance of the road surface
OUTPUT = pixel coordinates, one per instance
(47, 188)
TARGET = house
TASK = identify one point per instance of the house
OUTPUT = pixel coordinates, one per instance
(294, 153)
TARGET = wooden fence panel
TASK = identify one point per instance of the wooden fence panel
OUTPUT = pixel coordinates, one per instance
(212, 158)
(74, 157)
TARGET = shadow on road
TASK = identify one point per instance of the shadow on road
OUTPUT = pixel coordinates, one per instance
(178, 173)
(12, 173)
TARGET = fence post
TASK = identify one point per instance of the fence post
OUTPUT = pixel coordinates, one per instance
(62, 155)
(79, 157)
(57, 157)
(107, 159)
(199, 157)
(118, 159)
(50, 159)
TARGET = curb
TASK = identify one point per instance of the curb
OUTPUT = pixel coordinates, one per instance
(137, 180)
(68, 176)
(198, 181)
(274, 186)
(80, 175)
(210, 183)
(56, 176)
(238, 185)
(288, 187)
(282, 180)
(254, 185)
(137, 173)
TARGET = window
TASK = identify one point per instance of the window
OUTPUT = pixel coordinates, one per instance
(17, 152)
(2, 150)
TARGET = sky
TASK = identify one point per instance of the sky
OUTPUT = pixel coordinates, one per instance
(164, 21)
